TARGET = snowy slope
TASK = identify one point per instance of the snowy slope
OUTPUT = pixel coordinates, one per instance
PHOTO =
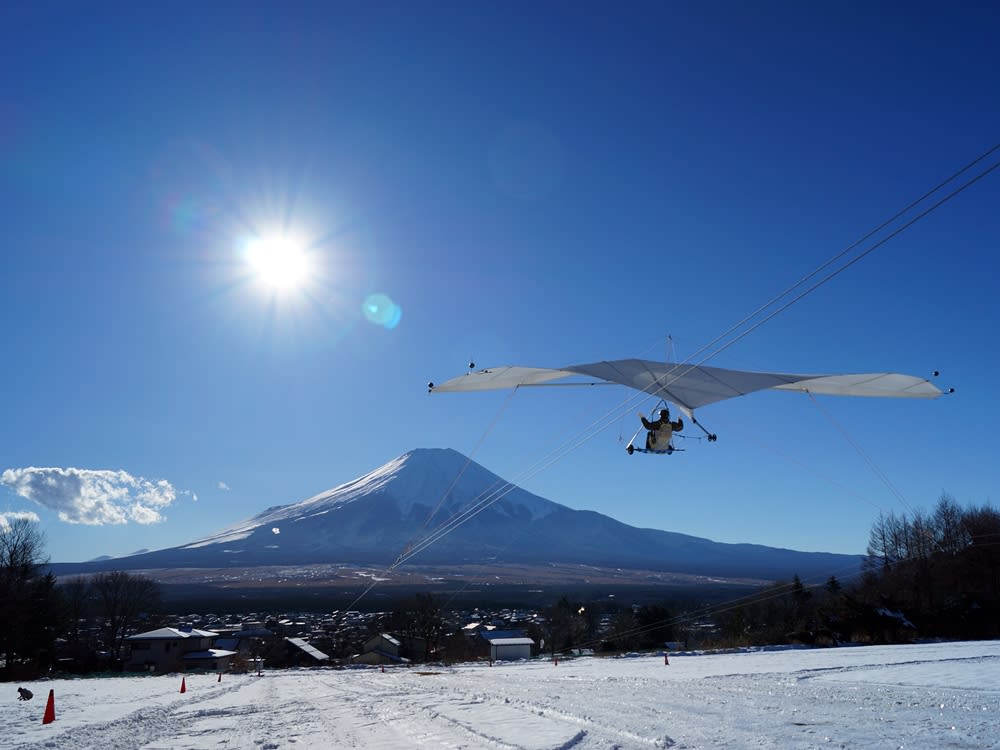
(918, 697)
(422, 477)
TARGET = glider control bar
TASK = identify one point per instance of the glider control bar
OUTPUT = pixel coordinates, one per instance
(712, 437)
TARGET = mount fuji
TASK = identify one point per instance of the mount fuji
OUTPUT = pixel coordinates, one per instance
(373, 519)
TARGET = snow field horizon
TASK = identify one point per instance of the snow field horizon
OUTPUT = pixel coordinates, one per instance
(928, 695)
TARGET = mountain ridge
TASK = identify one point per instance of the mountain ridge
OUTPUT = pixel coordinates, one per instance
(373, 518)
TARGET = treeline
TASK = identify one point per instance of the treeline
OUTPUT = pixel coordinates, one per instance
(44, 626)
(925, 575)
(941, 569)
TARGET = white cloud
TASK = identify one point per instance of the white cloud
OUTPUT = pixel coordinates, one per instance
(27, 515)
(92, 496)
(223, 486)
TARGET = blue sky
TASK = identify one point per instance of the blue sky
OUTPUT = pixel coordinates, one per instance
(522, 183)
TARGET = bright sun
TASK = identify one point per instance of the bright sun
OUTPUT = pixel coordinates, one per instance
(279, 262)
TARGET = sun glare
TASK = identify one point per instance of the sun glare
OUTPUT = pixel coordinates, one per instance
(279, 262)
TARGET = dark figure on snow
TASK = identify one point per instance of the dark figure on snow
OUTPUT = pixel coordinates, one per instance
(23, 694)
(661, 431)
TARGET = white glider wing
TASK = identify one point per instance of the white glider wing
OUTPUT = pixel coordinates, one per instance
(693, 386)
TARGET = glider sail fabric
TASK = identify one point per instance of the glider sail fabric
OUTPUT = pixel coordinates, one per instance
(500, 378)
(691, 387)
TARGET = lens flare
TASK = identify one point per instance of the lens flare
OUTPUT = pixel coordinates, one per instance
(381, 310)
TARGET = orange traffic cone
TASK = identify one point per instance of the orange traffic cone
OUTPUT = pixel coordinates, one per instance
(50, 709)
(183, 686)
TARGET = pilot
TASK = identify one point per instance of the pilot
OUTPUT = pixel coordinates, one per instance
(661, 430)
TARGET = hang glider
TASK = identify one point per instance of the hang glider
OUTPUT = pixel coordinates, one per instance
(691, 387)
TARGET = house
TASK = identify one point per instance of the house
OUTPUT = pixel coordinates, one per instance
(176, 650)
(380, 649)
(209, 660)
(510, 649)
(504, 645)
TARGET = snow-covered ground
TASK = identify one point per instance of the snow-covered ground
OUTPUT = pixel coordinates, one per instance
(942, 695)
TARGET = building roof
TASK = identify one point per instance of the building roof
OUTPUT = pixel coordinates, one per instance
(360, 658)
(164, 634)
(311, 650)
(494, 635)
(512, 642)
(210, 653)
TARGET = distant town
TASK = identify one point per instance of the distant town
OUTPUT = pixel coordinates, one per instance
(419, 633)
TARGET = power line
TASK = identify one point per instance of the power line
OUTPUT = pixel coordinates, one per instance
(720, 344)
(592, 430)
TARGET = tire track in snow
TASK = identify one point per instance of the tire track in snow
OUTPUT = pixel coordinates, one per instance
(140, 728)
(593, 727)
(393, 707)
(808, 674)
(581, 730)
(433, 718)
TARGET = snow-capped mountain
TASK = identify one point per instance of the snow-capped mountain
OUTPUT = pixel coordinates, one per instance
(416, 483)
(371, 520)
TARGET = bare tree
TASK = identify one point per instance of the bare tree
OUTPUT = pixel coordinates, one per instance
(880, 548)
(982, 572)
(75, 594)
(567, 628)
(952, 535)
(27, 598)
(21, 546)
(942, 569)
(124, 599)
